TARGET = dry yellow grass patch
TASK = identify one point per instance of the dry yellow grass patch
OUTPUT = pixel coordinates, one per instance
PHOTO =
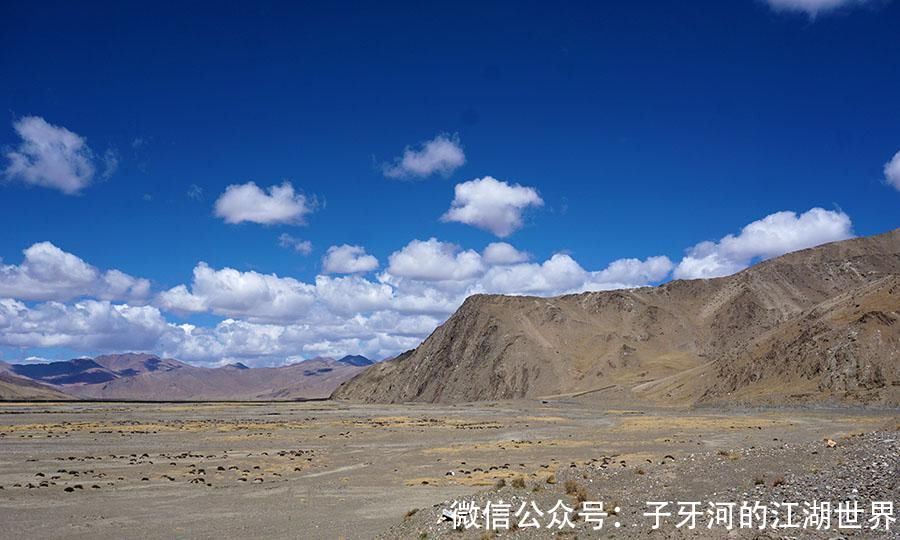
(159, 427)
(655, 423)
(486, 478)
(409, 422)
(552, 419)
(509, 446)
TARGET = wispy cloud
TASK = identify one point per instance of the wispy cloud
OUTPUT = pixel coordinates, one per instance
(194, 192)
(812, 7)
(303, 247)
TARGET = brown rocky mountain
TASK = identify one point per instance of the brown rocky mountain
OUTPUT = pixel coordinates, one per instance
(147, 377)
(130, 364)
(314, 378)
(822, 324)
(14, 388)
(76, 371)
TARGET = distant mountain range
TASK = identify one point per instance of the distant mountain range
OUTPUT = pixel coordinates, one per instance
(16, 388)
(813, 326)
(139, 377)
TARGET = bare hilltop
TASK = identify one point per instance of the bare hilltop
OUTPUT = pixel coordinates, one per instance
(814, 326)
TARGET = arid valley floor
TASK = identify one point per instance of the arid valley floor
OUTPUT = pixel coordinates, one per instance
(336, 470)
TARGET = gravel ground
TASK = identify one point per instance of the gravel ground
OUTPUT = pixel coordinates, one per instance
(860, 468)
(335, 470)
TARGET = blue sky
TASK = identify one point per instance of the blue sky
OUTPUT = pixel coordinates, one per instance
(579, 135)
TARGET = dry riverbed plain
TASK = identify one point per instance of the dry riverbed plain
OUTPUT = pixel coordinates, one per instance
(338, 470)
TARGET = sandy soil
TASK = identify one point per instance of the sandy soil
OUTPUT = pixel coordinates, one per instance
(336, 470)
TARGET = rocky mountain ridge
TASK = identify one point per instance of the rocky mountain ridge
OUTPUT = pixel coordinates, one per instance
(817, 325)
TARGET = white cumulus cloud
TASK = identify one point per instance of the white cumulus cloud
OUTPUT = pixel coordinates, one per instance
(503, 253)
(347, 259)
(562, 274)
(442, 155)
(492, 205)
(84, 325)
(556, 275)
(232, 293)
(352, 295)
(433, 260)
(49, 273)
(773, 235)
(52, 156)
(892, 171)
(625, 273)
(247, 202)
(375, 336)
(269, 319)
